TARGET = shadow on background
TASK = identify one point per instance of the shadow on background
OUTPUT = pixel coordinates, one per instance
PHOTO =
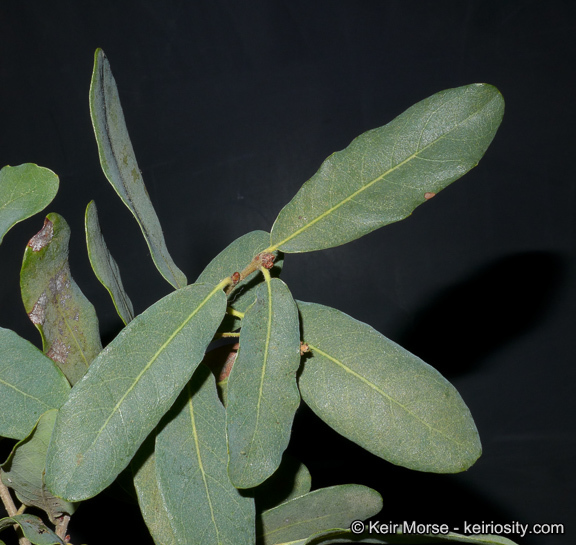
(463, 325)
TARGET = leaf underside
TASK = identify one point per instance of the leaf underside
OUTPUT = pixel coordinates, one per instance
(33, 529)
(385, 173)
(104, 266)
(262, 393)
(30, 385)
(24, 191)
(191, 460)
(128, 388)
(119, 164)
(24, 470)
(382, 397)
(317, 511)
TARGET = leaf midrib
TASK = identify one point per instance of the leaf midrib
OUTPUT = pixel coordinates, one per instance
(383, 393)
(147, 366)
(305, 227)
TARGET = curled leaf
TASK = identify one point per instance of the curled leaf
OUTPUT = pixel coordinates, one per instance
(55, 304)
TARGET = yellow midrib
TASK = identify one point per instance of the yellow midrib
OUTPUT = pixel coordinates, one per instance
(368, 185)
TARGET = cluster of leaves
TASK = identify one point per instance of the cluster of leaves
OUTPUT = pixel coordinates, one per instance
(205, 448)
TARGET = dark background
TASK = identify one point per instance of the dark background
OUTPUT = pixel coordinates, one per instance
(231, 106)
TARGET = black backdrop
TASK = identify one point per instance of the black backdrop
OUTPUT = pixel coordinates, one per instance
(231, 106)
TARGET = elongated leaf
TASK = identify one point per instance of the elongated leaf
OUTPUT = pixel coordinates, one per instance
(150, 500)
(24, 191)
(128, 388)
(33, 528)
(262, 393)
(203, 506)
(104, 266)
(291, 479)
(333, 507)
(385, 173)
(24, 470)
(234, 258)
(382, 397)
(120, 167)
(54, 303)
(30, 385)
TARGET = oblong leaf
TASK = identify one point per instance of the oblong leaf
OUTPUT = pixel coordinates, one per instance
(104, 266)
(55, 304)
(24, 469)
(24, 191)
(379, 395)
(324, 509)
(150, 500)
(203, 506)
(30, 385)
(128, 388)
(119, 164)
(33, 529)
(262, 393)
(387, 172)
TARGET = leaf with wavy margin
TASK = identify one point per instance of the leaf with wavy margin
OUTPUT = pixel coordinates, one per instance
(55, 304)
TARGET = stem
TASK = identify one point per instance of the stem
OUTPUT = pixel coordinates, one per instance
(226, 335)
(11, 510)
(266, 274)
(7, 500)
(62, 526)
(263, 259)
(234, 312)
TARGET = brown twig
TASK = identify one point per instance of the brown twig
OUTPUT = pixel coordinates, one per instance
(12, 511)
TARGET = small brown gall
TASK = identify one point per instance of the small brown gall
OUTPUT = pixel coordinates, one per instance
(304, 348)
(428, 195)
(267, 260)
(235, 277)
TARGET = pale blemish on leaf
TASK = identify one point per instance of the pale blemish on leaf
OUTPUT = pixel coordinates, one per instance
(58, 351)
(428, 195)
(38, 314)
(43, 237)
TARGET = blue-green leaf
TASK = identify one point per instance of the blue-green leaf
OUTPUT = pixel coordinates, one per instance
(262, 393)
(385, 173)
(317, 511)
(30, 385)
(120, 167)
(203, 506)
(128, 388)
(379, 395)
(24, 191)
(33, 529)
(150, 500)
(24, 469)
(104, 266)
